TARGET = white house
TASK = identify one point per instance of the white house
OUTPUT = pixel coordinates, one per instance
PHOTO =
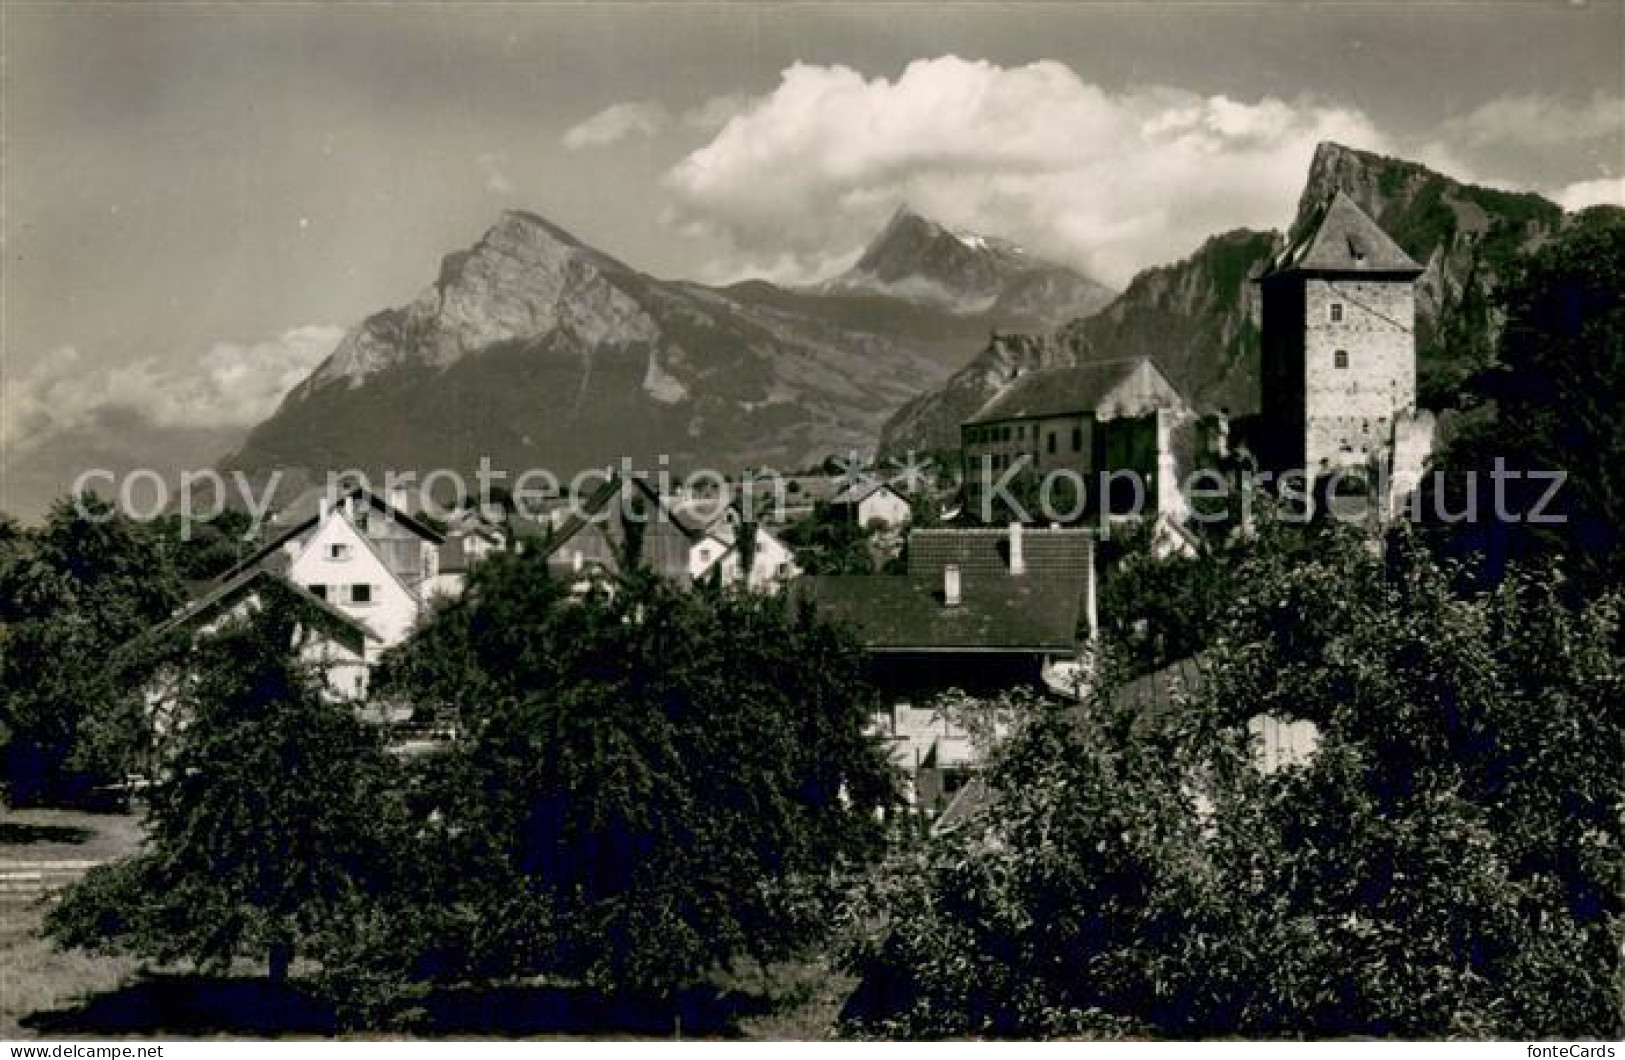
(721, 553)
(869, 501)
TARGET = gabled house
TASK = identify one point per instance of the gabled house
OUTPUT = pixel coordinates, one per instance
(622, 526)
(980, 611)
(362, 554)
(871, 501)
(734, 552)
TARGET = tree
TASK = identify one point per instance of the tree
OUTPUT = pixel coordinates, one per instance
(1550, 403)
(652, 782)
(1446, 863)
(276, 816)
(72, 595)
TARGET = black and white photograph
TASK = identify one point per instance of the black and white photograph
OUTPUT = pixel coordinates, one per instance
(831, 522)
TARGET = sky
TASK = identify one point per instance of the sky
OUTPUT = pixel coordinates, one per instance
(197, 199)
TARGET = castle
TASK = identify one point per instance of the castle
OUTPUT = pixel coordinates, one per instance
(1338, 380)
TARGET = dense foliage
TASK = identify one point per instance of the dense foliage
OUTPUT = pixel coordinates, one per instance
(1445, 864)
(1550, 403)
(73, 594)
(649, 782)
(274, 822)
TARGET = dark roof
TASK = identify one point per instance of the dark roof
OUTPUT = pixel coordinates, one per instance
(967, 803)
(1151, 697)
(996, 613)
(266, 555)
(1068, 391)
(858, 491)
(224, 595)
(1344, 239)
(1046, 552)
(664, 535)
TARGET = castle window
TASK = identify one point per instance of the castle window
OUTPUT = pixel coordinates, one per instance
(1337, 312)
(1341, 358)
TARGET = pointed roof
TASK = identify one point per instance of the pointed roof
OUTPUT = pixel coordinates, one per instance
(1344, 239)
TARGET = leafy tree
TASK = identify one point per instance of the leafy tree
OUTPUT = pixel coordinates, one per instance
(652, 783)
(1446, 863)
(276, 818)
(827, 543)
(72, 595)
(1550, 402)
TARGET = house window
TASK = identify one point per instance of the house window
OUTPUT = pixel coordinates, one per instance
(1340, 358)
(361, 594)
(318, 591)
(338, 550)
(1052, 441)
(1077, 439)
(1337, 312)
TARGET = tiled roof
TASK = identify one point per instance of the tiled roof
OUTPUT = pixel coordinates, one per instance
(1065, 391)
(1345, 240)
(1045, 552)
(859, 491)
(602, 527)
(267, 554)
(224, 595)
(995, 613)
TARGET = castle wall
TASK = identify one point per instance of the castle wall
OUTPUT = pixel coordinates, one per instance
(1349, 411)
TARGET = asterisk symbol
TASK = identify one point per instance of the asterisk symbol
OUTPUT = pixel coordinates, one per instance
(913, 473)
(851, 470)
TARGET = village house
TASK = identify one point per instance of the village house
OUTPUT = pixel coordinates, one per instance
(627, 525)
(869, 501)
(979, 611)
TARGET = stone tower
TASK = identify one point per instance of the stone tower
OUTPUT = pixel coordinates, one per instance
(1339, 345)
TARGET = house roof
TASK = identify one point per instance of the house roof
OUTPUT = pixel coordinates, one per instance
(861, 490)
(349, 631)
(1067, 553)
(1344, 239)
(1092, 387)
(309, 514)
(1151, 698)
(607, 512)
(996, 613)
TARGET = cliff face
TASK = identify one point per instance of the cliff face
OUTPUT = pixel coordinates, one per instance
(1199, 317)
(535, 350)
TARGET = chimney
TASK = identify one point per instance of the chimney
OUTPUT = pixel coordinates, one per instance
(950, 585)
(1018, 561)
(324, 508)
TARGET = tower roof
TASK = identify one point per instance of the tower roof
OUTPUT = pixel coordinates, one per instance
(1344, 239)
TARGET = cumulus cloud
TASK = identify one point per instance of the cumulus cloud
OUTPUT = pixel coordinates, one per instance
(1585, 193)
(1107, 181)
(616, 123)
(716, 112)
(1536, 121)
(231, 384)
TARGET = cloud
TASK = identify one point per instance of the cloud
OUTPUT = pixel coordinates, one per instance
(493, 166)
(231, 384)
(1536, 121)
(716, 112)
(1106, 181)
(1585, 193)
(615, 123)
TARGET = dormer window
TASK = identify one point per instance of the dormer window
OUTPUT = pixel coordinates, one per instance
(338, 550)
(1340, 359)
(1337, 312)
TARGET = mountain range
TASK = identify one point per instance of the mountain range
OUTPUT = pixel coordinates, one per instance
(533, 349)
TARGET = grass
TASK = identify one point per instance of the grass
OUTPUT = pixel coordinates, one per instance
(47, 992)
(34, 977)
